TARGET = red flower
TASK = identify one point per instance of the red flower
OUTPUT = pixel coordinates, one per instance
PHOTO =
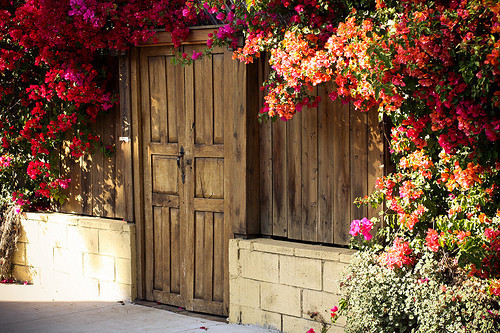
(432, 240)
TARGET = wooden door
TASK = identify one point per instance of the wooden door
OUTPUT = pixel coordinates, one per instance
(185, 230)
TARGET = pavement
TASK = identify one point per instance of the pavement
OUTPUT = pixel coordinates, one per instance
(20, 312)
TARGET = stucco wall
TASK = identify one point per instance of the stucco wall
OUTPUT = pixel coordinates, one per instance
(75, 257)
(280, 285)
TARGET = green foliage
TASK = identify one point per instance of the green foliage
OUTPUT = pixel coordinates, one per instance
(433, 296)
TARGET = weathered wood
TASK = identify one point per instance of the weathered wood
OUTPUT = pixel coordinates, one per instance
(341, 167)
(310, 174)
(219, 257)
(375, 158)
(326, 153)
(157, 257)
(166, 259)
(280, 175)
(175, 251)
(358, 147)
(138, 184)
(294, 175)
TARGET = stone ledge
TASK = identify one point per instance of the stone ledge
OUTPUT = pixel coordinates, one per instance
(81, 221)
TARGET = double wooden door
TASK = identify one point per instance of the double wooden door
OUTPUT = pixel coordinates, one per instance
(185, 230)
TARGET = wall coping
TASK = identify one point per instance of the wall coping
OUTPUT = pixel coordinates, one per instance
(79, 220)
(291, 248)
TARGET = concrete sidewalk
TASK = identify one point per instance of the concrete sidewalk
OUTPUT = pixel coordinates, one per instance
(42, 316)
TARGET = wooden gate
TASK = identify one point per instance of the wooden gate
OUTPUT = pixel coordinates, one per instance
(186, 176)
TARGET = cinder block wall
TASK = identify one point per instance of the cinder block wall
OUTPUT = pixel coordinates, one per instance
(76, 257)
(281, 285)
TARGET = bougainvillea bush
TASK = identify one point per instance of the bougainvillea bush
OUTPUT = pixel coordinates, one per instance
(54, 82)
(431, 68)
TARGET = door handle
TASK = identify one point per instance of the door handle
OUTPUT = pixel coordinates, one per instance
(181, 169)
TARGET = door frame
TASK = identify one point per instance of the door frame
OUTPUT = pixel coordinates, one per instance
(241, 151)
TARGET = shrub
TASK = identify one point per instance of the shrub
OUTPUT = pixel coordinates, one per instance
(435, 295)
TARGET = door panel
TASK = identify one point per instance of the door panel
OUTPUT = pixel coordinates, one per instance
(183, 149)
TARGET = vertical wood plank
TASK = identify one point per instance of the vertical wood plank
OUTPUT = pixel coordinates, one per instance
(280, 207)
(266, 160)
(124, 160)
(204, 122)
(166, 248)
(342, 190)
(229, 172)
(252, 196)
(199, 255)
(97, 176)
(266, 178)
(294, 174)
(188, 214)
(219, 257)
(219, 81)
(158, 101)
(147, 161)
(208, 256)
(326, 156)
(175, 99)
(87, 192)
(137, 160)
(358, 160)
(375, 157)
(157, 245)
(175, 248)
(109, 163)
(310, 174)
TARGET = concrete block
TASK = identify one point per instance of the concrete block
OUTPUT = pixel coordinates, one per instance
(53, 234)
(300, 272)
(273, 246)
(116, 244)
(234, 313)
(83, 239)
(123, 270)
(39, 255)
(259, 265)
(28, 231)
(346, 256)
(246, 244)
(300, 325)
(244, 292)
(332, 271)
(336, 329)
(234, 260)
(19, 257)
(57, 281)
(129, 227)
(320, 302)
(111, 291)
(93, 223)
(318, 252)
(68, 261)
(280, 299)
(99, 267)
(258, 317)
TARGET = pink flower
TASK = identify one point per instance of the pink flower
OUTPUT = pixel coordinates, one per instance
(432, 240)
(196, 55)
(311, 331)
(363, 227)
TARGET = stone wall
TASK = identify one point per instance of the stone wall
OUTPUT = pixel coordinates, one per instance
(282, 285)
(76, 257)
